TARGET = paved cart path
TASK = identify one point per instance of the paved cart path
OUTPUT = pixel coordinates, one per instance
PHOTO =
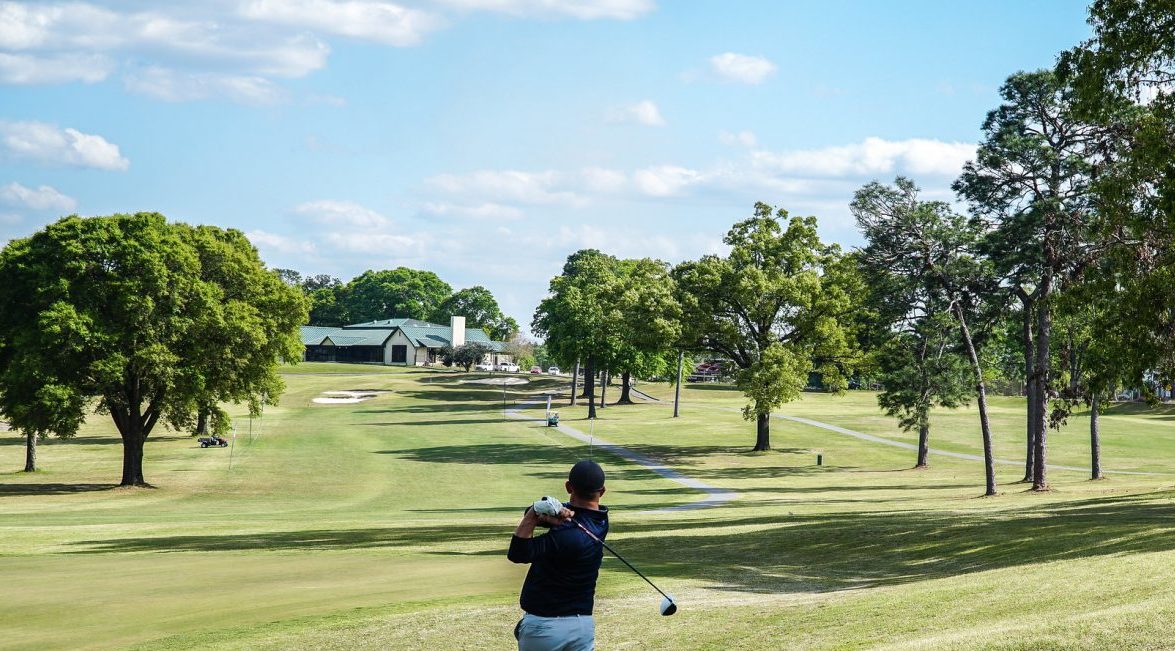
(715, 496)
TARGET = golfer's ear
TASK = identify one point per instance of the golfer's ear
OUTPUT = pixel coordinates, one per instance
(567, 485)
(603, 490)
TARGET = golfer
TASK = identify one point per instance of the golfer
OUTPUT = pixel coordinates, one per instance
(560, 587)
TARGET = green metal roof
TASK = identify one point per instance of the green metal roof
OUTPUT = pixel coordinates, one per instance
(375, 333)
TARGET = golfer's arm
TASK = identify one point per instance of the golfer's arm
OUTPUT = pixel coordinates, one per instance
(524, 547)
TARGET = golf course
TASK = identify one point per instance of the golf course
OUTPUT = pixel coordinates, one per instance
(383, 524)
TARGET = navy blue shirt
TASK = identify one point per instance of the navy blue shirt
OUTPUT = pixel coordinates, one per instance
(564, 565)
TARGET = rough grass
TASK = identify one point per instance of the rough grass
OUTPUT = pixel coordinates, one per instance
(383, 525)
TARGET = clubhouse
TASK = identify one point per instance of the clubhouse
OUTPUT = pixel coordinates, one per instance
(395, 342)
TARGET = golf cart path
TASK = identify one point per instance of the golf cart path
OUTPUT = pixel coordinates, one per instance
(715, 496)
(910, 446)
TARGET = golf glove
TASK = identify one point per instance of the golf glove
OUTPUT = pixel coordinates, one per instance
(548, 506)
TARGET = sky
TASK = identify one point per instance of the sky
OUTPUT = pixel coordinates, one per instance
(486, 140)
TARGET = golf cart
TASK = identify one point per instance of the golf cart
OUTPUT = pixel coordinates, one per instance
(212, 441)
(553, 419)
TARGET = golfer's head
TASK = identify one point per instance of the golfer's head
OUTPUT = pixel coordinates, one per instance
(586, 480)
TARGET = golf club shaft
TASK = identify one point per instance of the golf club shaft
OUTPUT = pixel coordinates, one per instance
(638, 572)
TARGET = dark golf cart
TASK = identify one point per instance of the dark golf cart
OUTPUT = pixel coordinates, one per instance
(211, 441)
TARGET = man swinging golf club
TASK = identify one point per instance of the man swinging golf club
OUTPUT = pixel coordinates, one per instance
(560, 587)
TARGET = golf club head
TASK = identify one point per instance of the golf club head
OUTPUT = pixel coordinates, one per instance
(668, 607)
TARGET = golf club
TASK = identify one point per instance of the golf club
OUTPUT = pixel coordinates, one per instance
(668, 606)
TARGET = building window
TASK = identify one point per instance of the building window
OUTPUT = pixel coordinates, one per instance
(399, 354)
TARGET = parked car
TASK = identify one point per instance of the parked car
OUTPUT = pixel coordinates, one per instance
(212, 441)
(536, 369)
(554, 370)
(485, 366)
(508, 367)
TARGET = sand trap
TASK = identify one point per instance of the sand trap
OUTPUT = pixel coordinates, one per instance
(348, 397)
(498, 381)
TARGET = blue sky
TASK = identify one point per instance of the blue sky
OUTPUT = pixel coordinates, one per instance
(486, 140)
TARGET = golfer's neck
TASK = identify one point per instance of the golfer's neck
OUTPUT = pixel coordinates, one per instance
(585, 504)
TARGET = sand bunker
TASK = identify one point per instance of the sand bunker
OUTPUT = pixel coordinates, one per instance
(348, 397)
(498, 381)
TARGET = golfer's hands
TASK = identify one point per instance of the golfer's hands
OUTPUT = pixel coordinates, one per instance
(553, 521)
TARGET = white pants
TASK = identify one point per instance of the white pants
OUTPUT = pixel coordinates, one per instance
(573, 633)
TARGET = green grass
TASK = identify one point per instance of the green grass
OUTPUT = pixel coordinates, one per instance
(384, 525)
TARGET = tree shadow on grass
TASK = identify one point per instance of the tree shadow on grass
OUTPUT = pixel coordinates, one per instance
(424, 423)
(17, 490)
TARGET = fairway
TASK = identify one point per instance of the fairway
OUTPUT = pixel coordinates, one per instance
(384, 524)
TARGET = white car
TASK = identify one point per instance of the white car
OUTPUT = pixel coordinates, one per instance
(485, 366)
(554, 370)
(508, 367)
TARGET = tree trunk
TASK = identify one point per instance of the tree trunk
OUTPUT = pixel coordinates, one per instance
(625, 389)
(923, 440)
(30, 452)
(202, 423)
(603, 388)
(574, 383)
(1044, 325)
(132, 460)
(677, 385)
(762, 432)
(1095, 441)
(589, 387)
(981, 399)
(1030, 393)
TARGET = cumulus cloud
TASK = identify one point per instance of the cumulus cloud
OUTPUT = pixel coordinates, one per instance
(506, 185)
(47, 143)
(741, 68)
(41, 198)
(24, 69)
(279, 243)
(644, 112)
(738, 139)
(386, 244)
(371, 20)
(872, 156)
(579, 9)
(484, 210)
(344, 213)
(174, 86)
(665, 180)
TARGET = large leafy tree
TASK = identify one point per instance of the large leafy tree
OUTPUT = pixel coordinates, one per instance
(1031, 185)
(574, 317)
(141, 319)
(480, 309)
(646, 318)
(399, 292)
(931, 252)
(772, 309)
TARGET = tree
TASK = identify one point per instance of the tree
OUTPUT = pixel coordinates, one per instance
(399, 292)
(140, 319)
(647, 320)
(769, 307)
(573, 317)
(289, 277)
(480, 310)
(931, 252)
(465, 355)
(1031, 182)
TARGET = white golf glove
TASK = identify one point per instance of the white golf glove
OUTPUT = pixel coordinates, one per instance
(548, 506)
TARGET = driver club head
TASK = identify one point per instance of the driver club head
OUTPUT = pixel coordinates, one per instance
(668, 607)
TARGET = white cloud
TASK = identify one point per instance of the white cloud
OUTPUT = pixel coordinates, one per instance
(665, 180)
(24, 69)
(387, 244)
(872, 156)
(47, 143)
(40, 198)
(580, 9)
(279, 243)
(644, 112)
(485, 210)
(371, 20)
(346, 213)
(174, 86)
(741, 68)
(506, 185)
(738, 139)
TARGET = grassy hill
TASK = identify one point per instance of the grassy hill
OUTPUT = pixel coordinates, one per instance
(383, 525)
